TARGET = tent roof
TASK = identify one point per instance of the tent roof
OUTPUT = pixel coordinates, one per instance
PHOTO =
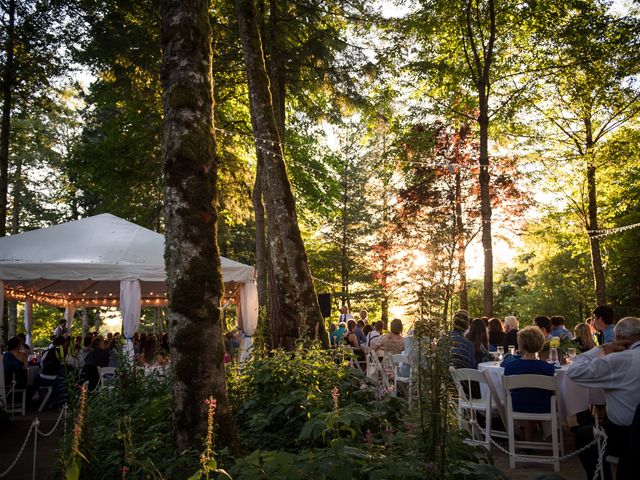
(102, 248)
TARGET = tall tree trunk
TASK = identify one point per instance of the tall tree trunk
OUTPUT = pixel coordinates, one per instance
(344, 247)
(284, 322)
(262, 257)
(279, 201)
(8, 79)
(192, 259)
(16, 204)
(592, 224)
(485, 208)
(460, 244)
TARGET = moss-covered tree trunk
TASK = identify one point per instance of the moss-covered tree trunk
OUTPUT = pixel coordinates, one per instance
(191, 253)
(8, 80)
(281, 215)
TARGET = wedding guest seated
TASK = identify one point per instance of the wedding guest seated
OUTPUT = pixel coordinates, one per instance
(392, 342)
(462, 350)
(350, 337)
(150, 359)
(53, 373)
(351, 340)
(496, 334)
(336, 337)
(24, 348)
(84, 351)
(373, 338)
(530, 400)
(604, 323)
(332, 328)
(615, 368)
(584, 337)
(14, 362)
(511, 326)
(477, 335)
(367, 330)
(544, 324)
(558, 329)
(359, 332)
(97, 357)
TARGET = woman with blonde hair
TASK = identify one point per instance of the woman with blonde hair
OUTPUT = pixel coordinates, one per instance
(584, 337)
(511, 332)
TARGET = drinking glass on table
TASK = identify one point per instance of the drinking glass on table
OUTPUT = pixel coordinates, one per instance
(572, 354)
(500, 353)
(512, 350)
(553, 356)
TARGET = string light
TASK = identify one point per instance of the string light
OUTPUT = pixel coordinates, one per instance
(57, 299)
(610, 231)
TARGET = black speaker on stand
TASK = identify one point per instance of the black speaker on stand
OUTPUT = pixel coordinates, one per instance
(324, 300)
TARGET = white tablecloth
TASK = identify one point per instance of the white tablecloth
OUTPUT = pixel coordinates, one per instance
(572, 398)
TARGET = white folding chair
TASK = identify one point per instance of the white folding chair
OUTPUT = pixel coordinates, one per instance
(380, 369)
(399, 360)
(106, 374)
(464, 377)
(542, 382)
(47, 396)
(17, 405)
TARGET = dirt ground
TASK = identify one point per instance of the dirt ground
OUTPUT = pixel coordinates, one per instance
(11, 441)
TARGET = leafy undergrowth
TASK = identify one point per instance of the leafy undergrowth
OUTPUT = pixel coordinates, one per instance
(299, 415)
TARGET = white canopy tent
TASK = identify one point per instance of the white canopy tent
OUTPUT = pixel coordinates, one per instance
(103, 261)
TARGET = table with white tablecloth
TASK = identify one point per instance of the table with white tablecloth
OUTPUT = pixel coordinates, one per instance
(571, 398)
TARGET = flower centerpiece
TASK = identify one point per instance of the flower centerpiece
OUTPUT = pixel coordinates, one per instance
(561, 344)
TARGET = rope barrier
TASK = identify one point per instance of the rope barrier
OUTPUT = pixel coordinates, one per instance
(24, 445)
(34, 427)
(598, 434)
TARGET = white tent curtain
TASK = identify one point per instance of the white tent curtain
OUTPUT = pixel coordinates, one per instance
(130, 305)
(248, 317)
(249, 308)
(28, 320)
(69, 312)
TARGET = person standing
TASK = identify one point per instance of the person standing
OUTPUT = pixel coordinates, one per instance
(345, 316)
(61, 330)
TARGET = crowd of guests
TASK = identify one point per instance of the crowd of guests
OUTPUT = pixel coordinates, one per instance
(78, 358)
(364, 336)
(610, 360)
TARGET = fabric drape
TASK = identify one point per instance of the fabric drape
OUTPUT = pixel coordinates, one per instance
(249, 307)
(69, 312)
(130, 305)
(28, 321)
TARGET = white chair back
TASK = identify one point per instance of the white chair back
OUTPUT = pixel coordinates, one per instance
(542, 382)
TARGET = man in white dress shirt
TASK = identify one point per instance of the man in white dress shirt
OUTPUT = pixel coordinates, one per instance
(614, 367)
(344, 314)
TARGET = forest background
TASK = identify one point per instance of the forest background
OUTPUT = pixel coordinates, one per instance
(387, 112)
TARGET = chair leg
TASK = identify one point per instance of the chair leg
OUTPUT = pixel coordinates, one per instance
(556, 445)
(512, 443)
(487, 429)
(45, 399)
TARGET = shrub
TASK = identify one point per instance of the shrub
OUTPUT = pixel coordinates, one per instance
(283, 400)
